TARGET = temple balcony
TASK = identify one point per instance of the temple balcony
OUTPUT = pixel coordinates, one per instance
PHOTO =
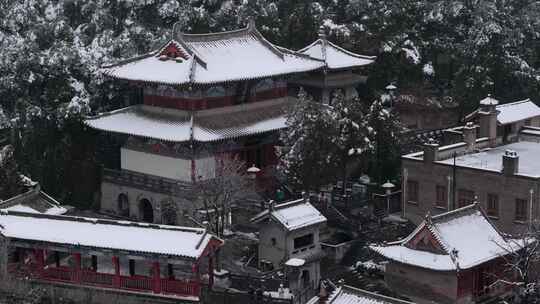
(146, 181)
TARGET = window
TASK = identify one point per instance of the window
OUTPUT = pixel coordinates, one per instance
(412, 191)
(493, 205)
(521, 210)
(303, 241)
(465, 197)
(441, 196)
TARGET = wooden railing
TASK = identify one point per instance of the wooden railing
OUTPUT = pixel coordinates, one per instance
(89, 277)
(136, 283)
(64, 274)
(180, 287)
(96, 278)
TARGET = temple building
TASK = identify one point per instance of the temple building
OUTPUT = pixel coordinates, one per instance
(99, 261)
(455, 257)
(203, 98)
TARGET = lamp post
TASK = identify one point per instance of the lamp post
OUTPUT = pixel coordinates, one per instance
(388, 186)
(253, 172)
(391, 89)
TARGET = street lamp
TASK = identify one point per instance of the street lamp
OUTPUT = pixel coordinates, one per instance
(388, 186)
(391, 89)
(253, 171)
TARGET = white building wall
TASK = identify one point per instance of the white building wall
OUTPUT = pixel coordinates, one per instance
(158, 165)
(205, 168)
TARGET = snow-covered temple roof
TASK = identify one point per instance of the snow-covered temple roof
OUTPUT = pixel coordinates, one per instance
(213, 58)
(106, 234)
(292, 215)
(33, 201)
(334, 56)
(350, 295)
(510, 112)
(203, 126)
(464, 238)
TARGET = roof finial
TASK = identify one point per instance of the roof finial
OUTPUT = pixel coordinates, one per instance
(322, 32)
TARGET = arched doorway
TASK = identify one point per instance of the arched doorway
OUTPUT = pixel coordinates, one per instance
(146, 213)
(123, 205)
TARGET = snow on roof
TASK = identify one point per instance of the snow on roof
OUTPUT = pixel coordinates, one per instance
(466, 236)
(335, 56)
(350, 295)
(491, 159)
(510, 112)
(203, 126)
(489, 101)
(216, 57)
(293, 215)
(517, 111)
(295, 262)
(105, 234)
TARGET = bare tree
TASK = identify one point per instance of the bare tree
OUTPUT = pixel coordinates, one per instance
(227, 185)
(521, 264)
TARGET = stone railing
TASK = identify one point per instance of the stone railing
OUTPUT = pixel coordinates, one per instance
(146, 182)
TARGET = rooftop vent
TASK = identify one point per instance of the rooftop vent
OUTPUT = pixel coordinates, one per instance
(510, 163)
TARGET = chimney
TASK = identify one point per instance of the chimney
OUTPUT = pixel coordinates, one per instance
(469, 136)
(431, 151)
(510, 163)
(488, 119)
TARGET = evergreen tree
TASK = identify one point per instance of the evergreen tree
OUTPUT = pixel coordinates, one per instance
(10, 178)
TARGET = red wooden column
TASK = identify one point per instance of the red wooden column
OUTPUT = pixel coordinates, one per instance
(211, 270)
(40, 261)
(116, 265)
(157, 278)
(77, 267)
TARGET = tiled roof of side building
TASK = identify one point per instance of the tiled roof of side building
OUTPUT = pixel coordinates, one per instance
(350, 295)
(466, 236)
(215, 58)
(107, 234)
(293, 215)
(334, 56)
(512, 112)
(202, 126)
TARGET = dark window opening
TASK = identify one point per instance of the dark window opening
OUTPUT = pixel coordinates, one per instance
(492, 205)
(441, 196)
(521, 210)
(131, 267)
(303, 241)
(465, 197)
(94, 263)
(412, 191)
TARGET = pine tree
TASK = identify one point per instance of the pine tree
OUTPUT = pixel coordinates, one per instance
(10, 178)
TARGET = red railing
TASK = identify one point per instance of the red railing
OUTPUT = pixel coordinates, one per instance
(64, 274)
(189, 288)
(96, 278)
(88, 277)
(136, 283)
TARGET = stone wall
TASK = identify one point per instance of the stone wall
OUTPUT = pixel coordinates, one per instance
(59, 293)
(482, 182)
(441, 287)
(111, 191)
